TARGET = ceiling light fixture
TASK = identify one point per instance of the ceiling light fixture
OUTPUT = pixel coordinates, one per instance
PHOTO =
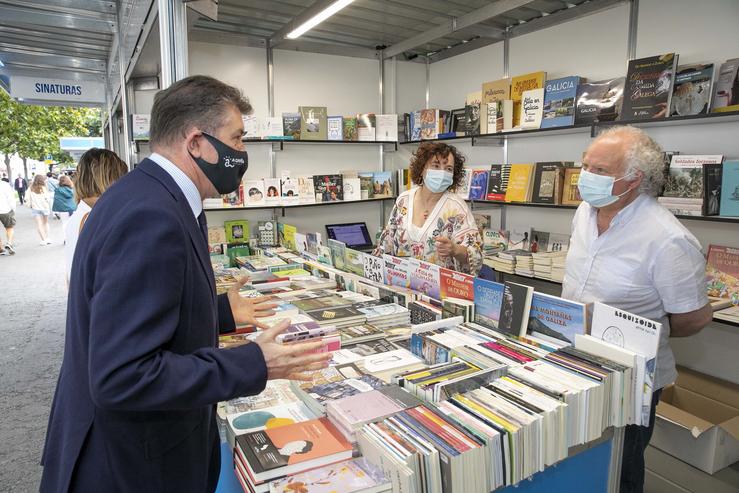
(318, 18)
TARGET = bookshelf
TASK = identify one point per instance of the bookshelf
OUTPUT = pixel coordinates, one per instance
(280, 144)
(296, 206)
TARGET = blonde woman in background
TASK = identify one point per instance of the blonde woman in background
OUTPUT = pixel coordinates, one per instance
(38, 201)
(97, 170)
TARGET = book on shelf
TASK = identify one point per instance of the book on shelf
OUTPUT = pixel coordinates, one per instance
(366, 125)
(277, 452)
(684, 184)
(404, 180)
(520, 183)
(730, 188)
(403, 123)
(387, 127)
(396, 271)
(458, 122)
(251, 126)
(335, 126)
(648, 88)
(353, 476)
(289, 190)
(352, 189)
(712, 178)
(328, 188)
(691, 94)
(463, 189)
(556, 317)
(235, 198)
(271, 128)
(306, 190)
(570, 191)
(291, 125)
(366, 189)
(722, 273)
(559, 101)
(349, 128)
(272, 191)
(548, 182)
(424, 278)
(382, 184)
(455, 284)
(539, 241)
(236, 231)
(495, 191)
(140, 126)
(503, 115)
(444, 125)
(313, 122)
(726, 88)
(521, 83)
(496, 90)
(599, 101)
(478, 184)
(429, 124)
(483, 219)
(414, 128)
(254, 193)
(532, 107)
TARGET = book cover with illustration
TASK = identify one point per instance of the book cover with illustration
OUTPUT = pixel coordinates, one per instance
(691, 94)
(270, 417)
(366, 127)
(291, 125)
(306, 190)
(429, 124)
(463, 189)
(488, 301)
(289, 190)
(570, 192)
(254, 192)
(520, 183)
(396, 270)
(473, 113)
(424, 278)
(496, 90)
(276, 452)
(455, 284)
(338, 253)
(479, 184)
(556, 317)
(313, 123)
(335, 128)
(382, 184)
(648, 89)
(685, 176)
(599, 101)
(548, 181)
(726, 88)
(353, 261)
(328, 188)
(272, 191)
(559, 102)
(354, 476)
(515, 309)
(387, 127)
(722, 273)
(532, 107)
(521, 83)
(366, 189)
(494, 240)
(349, 128)
(712, 178)
(730, 189)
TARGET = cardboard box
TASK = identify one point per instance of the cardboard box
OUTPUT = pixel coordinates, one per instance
(698, 421)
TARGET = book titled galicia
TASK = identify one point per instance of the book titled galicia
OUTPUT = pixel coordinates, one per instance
(559, 102)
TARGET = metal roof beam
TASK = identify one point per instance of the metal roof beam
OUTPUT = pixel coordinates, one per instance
(14, 15)
(574, 12)
(52, 60)
(456, 24)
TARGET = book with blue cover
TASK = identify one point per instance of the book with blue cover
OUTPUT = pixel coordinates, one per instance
(730, 189)
(556, 317)
(488, 300)
(425, 278)
(559, 102)
(479, 184)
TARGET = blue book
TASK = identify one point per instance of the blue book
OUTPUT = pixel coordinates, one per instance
(730, 189)
(556, 317)
(559, 102)
(479, 184)
(488, 300)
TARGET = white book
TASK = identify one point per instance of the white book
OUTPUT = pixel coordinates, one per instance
(254, 192)
(140, 124)
(289, 193)
(335, 128)
(351, 189)
(272, 191)
(272, 127)
(532, 108)
(387, 127)
(251, 126)
(306, 194)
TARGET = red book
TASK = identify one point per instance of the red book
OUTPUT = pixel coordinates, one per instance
(456, 285)
(438, 427)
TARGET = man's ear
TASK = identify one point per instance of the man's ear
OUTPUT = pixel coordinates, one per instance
(193, 142)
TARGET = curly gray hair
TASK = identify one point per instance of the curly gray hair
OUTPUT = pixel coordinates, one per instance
(642, 154)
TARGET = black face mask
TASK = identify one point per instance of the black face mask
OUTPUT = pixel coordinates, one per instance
(225, 174)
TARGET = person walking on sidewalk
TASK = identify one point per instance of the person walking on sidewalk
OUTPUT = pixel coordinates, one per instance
(38, 200)
(21, 185)
(64, 203)
(7, 217)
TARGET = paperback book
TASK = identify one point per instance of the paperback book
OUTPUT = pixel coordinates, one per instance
(254, 192)
(515, 309)
(648, 88)
(455, 284)
(424, 278)
(328, 188)
(599, 101)
(726, 89)
(730, 189)
(488, 301)
(559, 102)
(478, 184)
(335, 128)
(396, 270)
(556, 317)
(532, 107)
(313, 123)
(291, 125)
(521, 83)
(692, 92)
(366, 127)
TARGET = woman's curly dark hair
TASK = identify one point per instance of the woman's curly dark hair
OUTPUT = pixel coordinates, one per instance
(428, 150)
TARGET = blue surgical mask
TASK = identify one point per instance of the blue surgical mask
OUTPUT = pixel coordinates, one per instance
(437, 180)
(597, 190)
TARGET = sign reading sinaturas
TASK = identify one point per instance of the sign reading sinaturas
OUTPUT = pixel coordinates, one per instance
(43, 89)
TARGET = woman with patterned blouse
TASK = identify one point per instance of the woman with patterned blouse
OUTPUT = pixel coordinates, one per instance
(430, 222)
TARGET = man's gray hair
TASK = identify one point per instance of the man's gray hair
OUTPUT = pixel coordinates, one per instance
(643, 154)
(195, 102)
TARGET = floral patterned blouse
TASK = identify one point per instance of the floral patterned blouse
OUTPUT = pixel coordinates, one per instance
(451, 217)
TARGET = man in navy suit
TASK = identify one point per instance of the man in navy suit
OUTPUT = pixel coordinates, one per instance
(134, 409)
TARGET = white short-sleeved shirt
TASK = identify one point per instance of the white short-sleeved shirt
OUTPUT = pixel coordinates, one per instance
(72, 233)
(646, 263)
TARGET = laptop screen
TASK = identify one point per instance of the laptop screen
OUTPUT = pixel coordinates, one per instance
(355, 235)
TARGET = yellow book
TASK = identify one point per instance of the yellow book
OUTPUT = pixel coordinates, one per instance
(521, 83)
(496, 90)
(520, 183)
(289, 232)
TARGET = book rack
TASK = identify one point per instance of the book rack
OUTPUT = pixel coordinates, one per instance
(295, 206)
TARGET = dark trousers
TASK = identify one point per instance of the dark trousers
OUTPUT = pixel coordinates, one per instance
(636, 439)
(20, 195)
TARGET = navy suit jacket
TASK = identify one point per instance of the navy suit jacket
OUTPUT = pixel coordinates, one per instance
(134, 404)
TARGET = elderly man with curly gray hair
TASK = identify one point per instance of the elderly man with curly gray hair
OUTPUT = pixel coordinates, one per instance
(631, 253)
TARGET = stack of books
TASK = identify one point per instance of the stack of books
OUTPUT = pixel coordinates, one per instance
(334, 383)
(544, 261)
(524, 265)
(386, 315)
(558, 268)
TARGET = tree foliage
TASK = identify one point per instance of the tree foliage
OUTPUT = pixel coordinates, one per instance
(33, 131)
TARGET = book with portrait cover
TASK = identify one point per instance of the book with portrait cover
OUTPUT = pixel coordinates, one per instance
(521, 83)
(382, 184)
(272, 191)
(726, 88)
(548, 181)
(289, 190)
(473, 113)
(328, 188)
(495, 183)
(291, 125)
(648, 89)
(254, 192)
(313, 123)
(599, 101)
(277, 452)
(479, 184)
(488, 300)
(559, 102)
(730, 189)
(692, 92)
(515, 309)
